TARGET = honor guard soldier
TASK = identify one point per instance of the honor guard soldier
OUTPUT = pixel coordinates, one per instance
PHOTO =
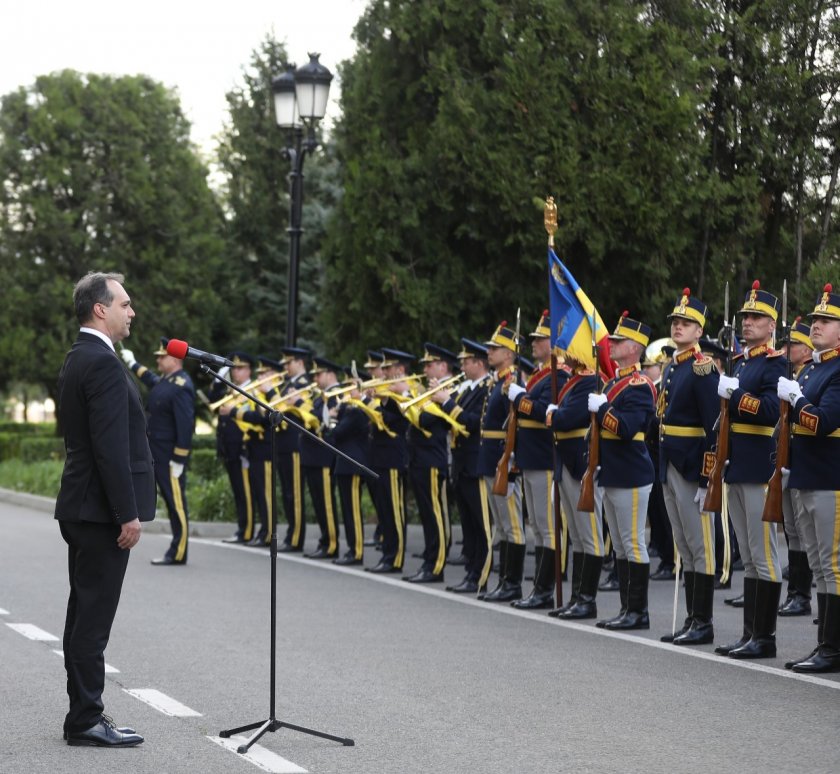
(814, 479)
(317, 460)
(799, 351)
(428, 466)
(230, 446)
(688, 408)
(170, 426)
(257, 443)
(351, 435)
(466, 405)
(569, 419)
(753, 415)
(533, 454)
(506, 509)
(389, 460)
(624, 410)
(288, 448)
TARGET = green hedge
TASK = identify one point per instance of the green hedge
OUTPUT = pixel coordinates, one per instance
(40, 478)
(28, 428)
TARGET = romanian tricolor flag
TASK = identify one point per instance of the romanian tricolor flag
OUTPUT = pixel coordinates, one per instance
(572, 318)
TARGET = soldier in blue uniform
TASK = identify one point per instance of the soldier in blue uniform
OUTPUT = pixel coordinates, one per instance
(624, 410)
(533, 453)
(799, 351)
(465, 405)
(570, 421)
(688, 407)
(428, 466)
(753, 415)
(317, 460)
(230, 447)
(814, 479)
(170, 426)
(389, 460)
(506, 509)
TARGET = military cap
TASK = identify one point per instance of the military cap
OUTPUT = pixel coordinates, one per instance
(690, 308)
(240, 359)
(432, 353)
(297, 353)
(265, 363)
(828, 305)
(322, 365)
(503, 337)
(394, 356)
(526, 365)
(375, 359)
(543, 329)
(800, 333)
(161, 350)
(759, 301)
(470, 348)
(628, 328)
(712, 347)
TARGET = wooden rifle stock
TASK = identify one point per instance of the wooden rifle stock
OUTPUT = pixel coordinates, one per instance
(500, 482)
(714, 494)
(773, 503)
(586, 501)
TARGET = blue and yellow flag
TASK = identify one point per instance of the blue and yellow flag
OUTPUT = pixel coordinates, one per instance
(572, 318)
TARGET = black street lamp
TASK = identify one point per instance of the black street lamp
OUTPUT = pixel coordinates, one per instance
(300, 101)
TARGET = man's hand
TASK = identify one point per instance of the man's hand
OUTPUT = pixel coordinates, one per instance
(176, 468)
(549, 413)
(129, 534)
(789, 390)
(595, 401)
(128, 356)
(513, 390)
(700, 496)
(727, 385)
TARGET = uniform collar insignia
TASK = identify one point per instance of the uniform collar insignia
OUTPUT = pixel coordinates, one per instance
(622, 372)
(829, 354)
(761, 349)
(682, 357)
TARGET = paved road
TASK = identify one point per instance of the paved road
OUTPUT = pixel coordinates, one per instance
(421, 680)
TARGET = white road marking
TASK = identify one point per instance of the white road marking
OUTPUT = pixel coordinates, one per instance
(3, 612)
(32, 632)
(463, 599)
(259, 756)
(108, 668)
(162, 703)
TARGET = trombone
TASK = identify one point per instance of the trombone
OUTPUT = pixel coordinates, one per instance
(371, 384)
(277, 400)
(214, 406)
(427, 395)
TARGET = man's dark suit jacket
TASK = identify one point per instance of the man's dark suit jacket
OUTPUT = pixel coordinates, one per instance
(108, 474)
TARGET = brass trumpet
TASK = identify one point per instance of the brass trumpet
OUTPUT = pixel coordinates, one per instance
(427, 395)
(277, 400)
(278, 378)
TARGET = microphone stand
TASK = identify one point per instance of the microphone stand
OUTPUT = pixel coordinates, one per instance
(272, 724)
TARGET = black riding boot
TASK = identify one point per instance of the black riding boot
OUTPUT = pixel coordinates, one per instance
(623, 572)
(762, 644)
(636, 616)
(688, 576)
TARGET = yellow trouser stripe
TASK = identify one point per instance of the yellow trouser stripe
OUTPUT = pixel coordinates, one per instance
(182, 516)
(726, 570)
(607, 544)
(835, 568)
(296, 494)
(268, 493)
(550, 512)
(708, 541)
(768, 553)
(514, 520)
(434, 480)
(634, 526)
(249, 505)
(328, 506)
(447, 526)
(396, 505)
(485, 521)
(356, 493)
(594, 524)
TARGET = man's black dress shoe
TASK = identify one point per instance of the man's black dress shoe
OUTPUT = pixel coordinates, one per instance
(110, 721)
(609, 584)
(384, 568)
(233, 539)
(466, 586)
(347, 561)
(508, 591)
(425, 576)
(103, 734)
(258, 541)
(288, 548)
(321, 553)
(795, 604)
(166, 560)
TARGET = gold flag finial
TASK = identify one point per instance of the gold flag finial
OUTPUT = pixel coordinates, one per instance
(550, 219)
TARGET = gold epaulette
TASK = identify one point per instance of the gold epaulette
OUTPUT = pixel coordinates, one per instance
(703, 366)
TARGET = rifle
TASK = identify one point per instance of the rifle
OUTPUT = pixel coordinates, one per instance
(714, 494)
(500, 482)
(586, 500)
(773, 503)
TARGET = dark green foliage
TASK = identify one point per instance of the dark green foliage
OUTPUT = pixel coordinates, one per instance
(37, 449)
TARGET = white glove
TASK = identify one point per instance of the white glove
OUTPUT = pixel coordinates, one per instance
(325, 414)
(700, 496)
(596, 400)
(785, 477)
(176, 468)
(246, 463)
(224, 371)
(128, 356)
(789, 390)
(552, 407)
(727, 385)
(513, 391)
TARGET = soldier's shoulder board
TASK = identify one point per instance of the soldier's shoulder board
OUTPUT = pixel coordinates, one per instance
(639, 379)
(180, 381)
(703, 365)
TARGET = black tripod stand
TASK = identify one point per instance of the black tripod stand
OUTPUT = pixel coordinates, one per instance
(272, 723)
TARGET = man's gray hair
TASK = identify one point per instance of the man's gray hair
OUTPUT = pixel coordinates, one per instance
(93, 289)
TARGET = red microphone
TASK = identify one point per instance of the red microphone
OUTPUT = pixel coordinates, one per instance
(181, 350)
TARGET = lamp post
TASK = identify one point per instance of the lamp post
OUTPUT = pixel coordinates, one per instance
(300, 101)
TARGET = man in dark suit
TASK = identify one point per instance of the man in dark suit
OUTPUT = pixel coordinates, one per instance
(107, 489)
